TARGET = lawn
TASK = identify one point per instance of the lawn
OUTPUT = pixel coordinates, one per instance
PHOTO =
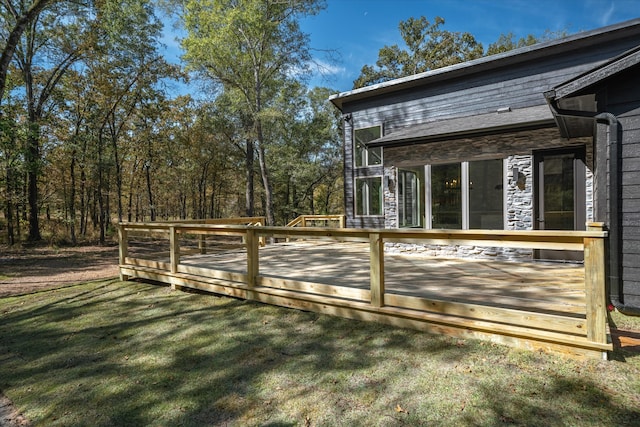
(111, 353)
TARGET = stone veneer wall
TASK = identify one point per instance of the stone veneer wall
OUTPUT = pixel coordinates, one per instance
(390, 197)
(516, 149)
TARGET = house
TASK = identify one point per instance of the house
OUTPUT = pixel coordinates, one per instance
(542, 137)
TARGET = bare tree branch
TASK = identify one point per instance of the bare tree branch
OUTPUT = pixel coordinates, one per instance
(14, 37)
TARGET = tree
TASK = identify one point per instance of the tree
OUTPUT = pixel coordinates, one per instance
(16, 21)
(249, 47)
(47, 51)
(428, 47)
(305, 152)
(126, 70)
(507, 42)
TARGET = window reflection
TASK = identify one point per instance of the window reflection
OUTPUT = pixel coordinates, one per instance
(486, 200)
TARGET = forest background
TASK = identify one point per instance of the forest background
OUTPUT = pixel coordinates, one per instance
(92, 133)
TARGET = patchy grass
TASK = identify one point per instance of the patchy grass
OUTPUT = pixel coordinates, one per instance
(113, 354)
(620, 321)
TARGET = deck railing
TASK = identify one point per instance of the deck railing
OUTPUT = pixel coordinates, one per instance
(585, 335)
(313, 220)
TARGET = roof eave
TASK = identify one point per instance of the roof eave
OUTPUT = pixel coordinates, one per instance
(470, 133)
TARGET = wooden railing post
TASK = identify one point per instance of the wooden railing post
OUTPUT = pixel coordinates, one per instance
(253, 252)
(174, 243)
(594, 278)
(376, 254)
(123, 252)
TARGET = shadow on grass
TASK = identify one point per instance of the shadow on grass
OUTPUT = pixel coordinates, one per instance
(113, 353)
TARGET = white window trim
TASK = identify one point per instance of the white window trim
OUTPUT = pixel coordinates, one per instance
(366, 157)
(428, 211)
(420, 196)
(355, 198)
(464, 177)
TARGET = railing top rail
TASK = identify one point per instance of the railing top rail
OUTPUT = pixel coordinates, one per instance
(234, 220)
(510, 235)
(302, 218)
(295, 221)
(328, 216)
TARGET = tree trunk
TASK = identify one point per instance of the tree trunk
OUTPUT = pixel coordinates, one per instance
(116, 158)
(202, 192)
(83, 202)
(311, 203)
(9, 208)
(130, 205)
(99, 195)
(72, 199)
(250, 191)
(138, 208)
(19, 207)
(152, 208)
(33, 167)
(264, 172)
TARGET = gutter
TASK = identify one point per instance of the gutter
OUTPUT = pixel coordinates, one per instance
(616, 285)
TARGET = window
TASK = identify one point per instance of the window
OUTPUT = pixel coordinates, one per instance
(369, 196)
(409, 212)
(467, 195)
(364, 156)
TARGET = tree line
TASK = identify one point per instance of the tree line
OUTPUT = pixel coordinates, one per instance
(90, 133)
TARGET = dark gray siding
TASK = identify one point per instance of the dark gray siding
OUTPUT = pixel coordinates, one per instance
(351, 173)
(517, 86)
(348, 174)
(623, 100)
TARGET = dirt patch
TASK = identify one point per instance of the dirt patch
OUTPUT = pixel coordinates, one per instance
(9, 415)
(24, 271)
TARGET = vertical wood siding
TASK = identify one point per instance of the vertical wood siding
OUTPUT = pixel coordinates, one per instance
(623, 100)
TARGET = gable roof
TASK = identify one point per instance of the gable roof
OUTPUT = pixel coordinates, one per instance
(598, 74)
(516, 56)
(573, 102)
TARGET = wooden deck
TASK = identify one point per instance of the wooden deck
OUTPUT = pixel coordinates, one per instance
(532, 305)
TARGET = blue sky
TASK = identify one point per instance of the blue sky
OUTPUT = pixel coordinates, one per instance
(357, 29)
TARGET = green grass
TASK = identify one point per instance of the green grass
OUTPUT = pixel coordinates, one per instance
(128, 354)
(621, 321)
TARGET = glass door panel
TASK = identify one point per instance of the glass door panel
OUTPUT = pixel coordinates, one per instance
(446, 196)
(559, 193)
(560, 197)
(486, 196)
(409, 212)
